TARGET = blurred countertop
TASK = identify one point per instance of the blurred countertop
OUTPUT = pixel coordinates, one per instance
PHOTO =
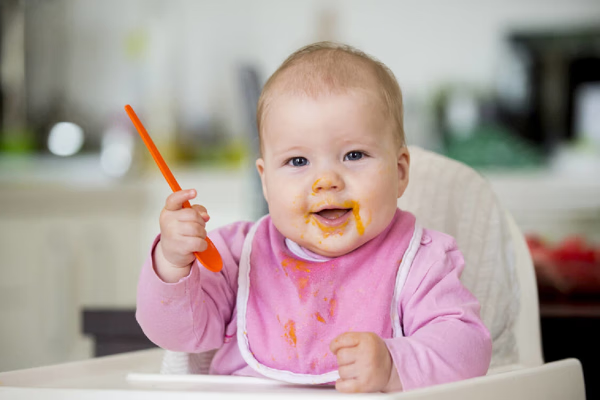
(27, 183)
(232, 194)
(77, 171)
(546, 189)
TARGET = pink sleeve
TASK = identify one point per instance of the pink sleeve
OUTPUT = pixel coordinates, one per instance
(444, 337)
(191, 315)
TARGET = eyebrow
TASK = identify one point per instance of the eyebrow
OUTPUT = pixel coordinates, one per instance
(291, 149)
(366, 140)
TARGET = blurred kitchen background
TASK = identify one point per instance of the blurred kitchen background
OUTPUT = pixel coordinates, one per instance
(510, 87)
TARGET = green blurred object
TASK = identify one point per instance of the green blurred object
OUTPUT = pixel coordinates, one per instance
(17, 141)
(230, 153)
(492, 146)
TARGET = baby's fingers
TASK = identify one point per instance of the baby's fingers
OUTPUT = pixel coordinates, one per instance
(175, 200)
(202, 211)
(193, 229)
(194, 244)
(189, 215)
(346, 356)
(348, 386)
(348, 339)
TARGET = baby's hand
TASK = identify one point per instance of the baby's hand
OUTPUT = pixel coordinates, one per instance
(364, 362)
(182, 230)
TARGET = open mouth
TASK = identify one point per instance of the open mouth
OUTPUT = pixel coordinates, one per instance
(332, 218)
(333, 213)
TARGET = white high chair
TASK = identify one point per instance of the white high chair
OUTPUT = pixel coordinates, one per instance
(449, 197)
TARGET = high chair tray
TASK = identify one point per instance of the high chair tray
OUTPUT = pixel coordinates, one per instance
(134, 375)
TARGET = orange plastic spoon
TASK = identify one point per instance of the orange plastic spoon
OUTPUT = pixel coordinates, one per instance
(210, 258)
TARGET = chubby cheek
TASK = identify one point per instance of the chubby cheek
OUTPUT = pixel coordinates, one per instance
(296, 212)
(377, 201)
(287, 208)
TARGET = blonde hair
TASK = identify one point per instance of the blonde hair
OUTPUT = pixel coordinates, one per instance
(327, 68)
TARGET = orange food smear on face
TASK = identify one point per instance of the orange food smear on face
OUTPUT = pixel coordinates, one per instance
(314, 186)
(327, 230)
(339, 230)
(319, 317)
(290, 332)
(360, 228)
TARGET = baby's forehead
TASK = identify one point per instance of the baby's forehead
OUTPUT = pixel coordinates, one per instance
(327, 72)
(291, 116)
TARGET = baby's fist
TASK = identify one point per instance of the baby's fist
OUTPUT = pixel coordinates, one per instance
(364, 362)
(183, 230)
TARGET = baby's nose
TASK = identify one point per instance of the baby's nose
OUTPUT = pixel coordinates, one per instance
(326, 184)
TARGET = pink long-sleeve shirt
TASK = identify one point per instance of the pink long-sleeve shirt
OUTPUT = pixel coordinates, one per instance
(444, 338)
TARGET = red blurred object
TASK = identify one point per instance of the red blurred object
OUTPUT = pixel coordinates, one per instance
(575, 249)
(571, 268)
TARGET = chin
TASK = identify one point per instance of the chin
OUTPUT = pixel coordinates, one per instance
(332, 249)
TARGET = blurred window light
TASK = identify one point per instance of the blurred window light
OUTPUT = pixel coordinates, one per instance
(512, 81)
(65, 139)
(587, 109)
(116, 152)
(462, 115)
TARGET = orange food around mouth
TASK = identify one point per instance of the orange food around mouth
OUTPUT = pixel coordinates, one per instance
(336, 213)
(333, 213)
(360, 228)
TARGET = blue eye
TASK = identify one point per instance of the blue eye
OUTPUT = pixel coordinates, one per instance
(298, 162)
(354, 156)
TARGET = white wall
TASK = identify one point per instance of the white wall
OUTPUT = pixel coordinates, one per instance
(429, 42)
(194, 46)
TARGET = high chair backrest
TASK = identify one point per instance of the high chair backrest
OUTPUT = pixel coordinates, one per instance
(451, 197)
(527, 328)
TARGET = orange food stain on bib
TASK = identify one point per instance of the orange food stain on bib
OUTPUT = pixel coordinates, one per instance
(319, 317)
(290, 332)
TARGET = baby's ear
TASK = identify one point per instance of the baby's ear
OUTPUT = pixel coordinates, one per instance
(260, 167)
(403, 169)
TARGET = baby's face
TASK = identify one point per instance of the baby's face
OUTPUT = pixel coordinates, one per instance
(331, 171)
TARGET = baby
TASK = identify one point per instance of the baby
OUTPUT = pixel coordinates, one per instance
(335, 284)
